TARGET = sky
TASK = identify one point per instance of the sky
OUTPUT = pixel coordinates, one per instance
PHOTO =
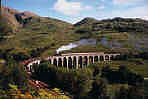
(73, 11)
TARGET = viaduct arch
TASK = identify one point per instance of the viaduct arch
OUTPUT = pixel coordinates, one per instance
(75, 60)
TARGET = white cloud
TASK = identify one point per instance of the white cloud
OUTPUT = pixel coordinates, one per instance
(102, 0)
(137, 12)
(88, 7)
(69, 8)
(126, 2)
(101, 7)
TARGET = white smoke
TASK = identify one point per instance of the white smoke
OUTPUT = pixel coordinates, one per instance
(73, 45)
(66, 47)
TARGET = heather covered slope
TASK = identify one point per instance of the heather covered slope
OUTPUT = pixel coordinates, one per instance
(39, 33)
(31, 36)
(118, 33)
(14, 17)
(34, 32)
(114, 25)
(30, 33)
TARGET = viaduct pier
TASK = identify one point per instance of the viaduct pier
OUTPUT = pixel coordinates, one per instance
(74, 60)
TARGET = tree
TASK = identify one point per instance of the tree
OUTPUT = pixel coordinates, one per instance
(44, 73)
(136, 92)
(20, 56)
(122, 94)
(13, 74)
(124, 73)
(76, 82)
(133, 92)
(105, 71)
(99, 89)
(83, 84)
(96, 71)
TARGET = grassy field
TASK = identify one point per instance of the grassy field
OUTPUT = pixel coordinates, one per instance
(146, 89)
(40, 33)
(114, 88)
(53, 33)
(133, 66)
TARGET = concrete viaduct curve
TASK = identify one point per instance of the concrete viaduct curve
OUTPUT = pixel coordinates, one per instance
(76, 60)
(73, 60)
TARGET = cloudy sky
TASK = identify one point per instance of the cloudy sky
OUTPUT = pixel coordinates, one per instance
(74, 10)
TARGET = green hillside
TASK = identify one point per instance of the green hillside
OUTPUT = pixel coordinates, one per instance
(38, 32)
(44, 35)
(24, 35)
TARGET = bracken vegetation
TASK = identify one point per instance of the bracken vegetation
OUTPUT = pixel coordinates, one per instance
(24, 36)
(92, 82)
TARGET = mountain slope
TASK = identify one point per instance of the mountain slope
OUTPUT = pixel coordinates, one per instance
(120, 34)
(114, 25)
(37, 35)
(14, 17)
(32, 32)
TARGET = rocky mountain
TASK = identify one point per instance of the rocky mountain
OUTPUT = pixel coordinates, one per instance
(86, 21)
(43, 35)
(117, 33)
(113, 25)
(14, 17)
(17, 19)
(30, 31)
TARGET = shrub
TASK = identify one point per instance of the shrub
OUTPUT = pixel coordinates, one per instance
(13, 74)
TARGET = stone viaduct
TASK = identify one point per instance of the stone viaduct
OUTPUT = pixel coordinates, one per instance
(75, 60)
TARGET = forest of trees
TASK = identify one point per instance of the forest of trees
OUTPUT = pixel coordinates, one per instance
(87, 83)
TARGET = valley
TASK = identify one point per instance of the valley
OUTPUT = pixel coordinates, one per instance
(26, 37)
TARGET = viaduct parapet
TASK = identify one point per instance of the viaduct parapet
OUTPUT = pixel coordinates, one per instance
(74, 60)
